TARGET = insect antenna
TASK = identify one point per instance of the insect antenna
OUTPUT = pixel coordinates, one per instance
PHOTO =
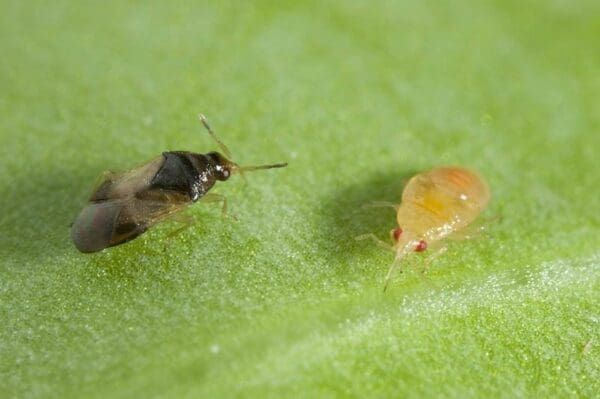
(388, 277)
(243, 169)
(222, 145)
(227, 153)
(261, 167)
(400, 254)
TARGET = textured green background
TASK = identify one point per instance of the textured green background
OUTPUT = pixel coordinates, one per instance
(356, 96)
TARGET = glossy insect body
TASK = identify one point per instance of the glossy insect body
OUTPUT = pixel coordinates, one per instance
(125, 205)
(435, 205)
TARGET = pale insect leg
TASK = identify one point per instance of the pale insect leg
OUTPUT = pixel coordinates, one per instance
(212, 197)
(467, 233)
(381, 204)
(476, 230)
(380, 243)
(185, 219)
(435, 252)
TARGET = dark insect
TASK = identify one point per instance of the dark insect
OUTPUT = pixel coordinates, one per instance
(124, 205)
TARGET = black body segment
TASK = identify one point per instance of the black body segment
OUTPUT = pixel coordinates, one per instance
(186, 173)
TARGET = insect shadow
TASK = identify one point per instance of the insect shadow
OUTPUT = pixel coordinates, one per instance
(346, 214)
(37, 207)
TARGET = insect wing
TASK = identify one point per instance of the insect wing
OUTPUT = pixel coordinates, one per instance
(93, 229)
(126, 185)
(143, 212)
(104, 224)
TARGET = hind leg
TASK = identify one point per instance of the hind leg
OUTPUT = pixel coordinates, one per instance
(185, 219)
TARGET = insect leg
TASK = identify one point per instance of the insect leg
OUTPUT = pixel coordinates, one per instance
(380, 243)
(467, 233)
(436, 253)
(381, 204)
(212, 197)
(186, 220)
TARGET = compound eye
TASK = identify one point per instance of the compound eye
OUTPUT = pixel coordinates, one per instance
(223, 172)
(421, 246)
(396, 233)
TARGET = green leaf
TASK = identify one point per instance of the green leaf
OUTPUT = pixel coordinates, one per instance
(357, 97)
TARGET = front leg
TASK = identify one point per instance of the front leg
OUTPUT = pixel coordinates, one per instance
(380, 243)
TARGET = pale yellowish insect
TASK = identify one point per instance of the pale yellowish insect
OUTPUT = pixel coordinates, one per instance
(436, 205)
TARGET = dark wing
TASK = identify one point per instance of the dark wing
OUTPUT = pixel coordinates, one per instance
(125, 205)
(103, 224)
(126, 185)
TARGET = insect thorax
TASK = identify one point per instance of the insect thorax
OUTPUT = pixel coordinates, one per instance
(185, 172)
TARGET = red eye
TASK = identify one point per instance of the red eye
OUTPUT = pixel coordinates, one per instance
(396, 233)
(421, 246)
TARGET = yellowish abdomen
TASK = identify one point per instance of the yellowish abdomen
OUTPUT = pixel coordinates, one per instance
(441, 201)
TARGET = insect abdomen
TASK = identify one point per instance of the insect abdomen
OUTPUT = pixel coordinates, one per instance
(451, 197)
